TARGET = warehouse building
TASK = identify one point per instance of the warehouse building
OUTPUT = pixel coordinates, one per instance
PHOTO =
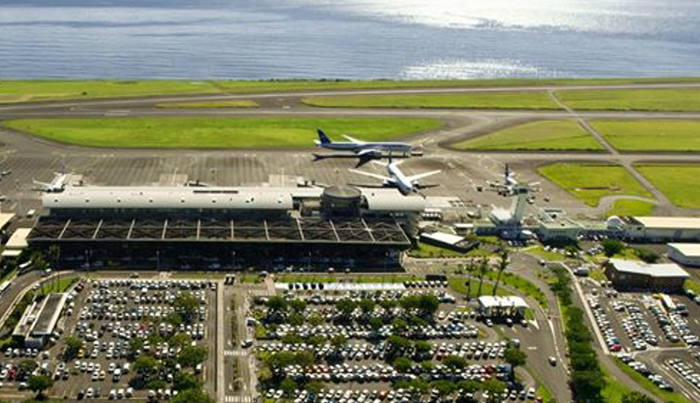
(635, 275)
(227, 227)
(685, 253)
(663, 229)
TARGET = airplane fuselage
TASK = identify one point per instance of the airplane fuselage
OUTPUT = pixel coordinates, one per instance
(404, 184)
(350, 146)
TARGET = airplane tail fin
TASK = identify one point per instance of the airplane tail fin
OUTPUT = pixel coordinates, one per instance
(322, 138)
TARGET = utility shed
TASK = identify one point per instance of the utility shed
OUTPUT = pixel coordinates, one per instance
(632, 274)
(685, 253)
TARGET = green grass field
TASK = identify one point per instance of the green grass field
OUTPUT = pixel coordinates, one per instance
(34, 90)
(541, 135)
(677, 182)
(458, 284)
(590, 182)
(650, 135)
(234, 103)
(306, 85)
(41, 90)
(215, 132)
(475, 100)
(636, 99)
(630, 207)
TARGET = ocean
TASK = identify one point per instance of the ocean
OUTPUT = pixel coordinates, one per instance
(349, 39)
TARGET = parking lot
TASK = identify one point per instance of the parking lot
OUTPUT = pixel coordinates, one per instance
(380, 345)
(124, 338)
(655, 334)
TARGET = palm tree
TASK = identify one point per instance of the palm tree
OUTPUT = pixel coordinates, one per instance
(483, 269)
(502, 266)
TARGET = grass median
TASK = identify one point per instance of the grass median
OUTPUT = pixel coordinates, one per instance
(676, 99)
(677, 182)
(550, 135)
(591, 182)
(43, 90)
(651, 135)
(235, 103)
(215, 132)
(469, 100)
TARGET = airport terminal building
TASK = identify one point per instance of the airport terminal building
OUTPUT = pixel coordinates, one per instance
(188, 227)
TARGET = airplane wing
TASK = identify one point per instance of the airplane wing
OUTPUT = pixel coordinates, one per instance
(354, 140)
(423, 175)
(366, 185)
(371, 175)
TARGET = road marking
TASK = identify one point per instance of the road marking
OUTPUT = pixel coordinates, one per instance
(238, 399)
(234, 353)
(532, 348)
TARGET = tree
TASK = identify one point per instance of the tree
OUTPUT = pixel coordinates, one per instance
(397, 343)
(455, 362)
(180, 339)
(338, 341)
(39, 384)
(73, 346)
(399, 324)
(345, 306)
(428, 304)
(423, 346)
(483, 269)
(174, 319)
(192, 396)
(277, 304)
(297, 305)
(646, 255)
(288, 386)
(502, 266)
(184, 381)
(515, 357)
(367, 305)
(612, 247)
(187, 306)
(444, 387)
(145, 364)
(636, 397)
(135, 344)
(295, 319)
(54, 253)
(27, 366)
(494, 387)
(190, 356)
(402, 364)
(314, 387)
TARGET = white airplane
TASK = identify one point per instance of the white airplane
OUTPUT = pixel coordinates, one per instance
(56, 185)
(510, 185)
(397, 179)
(363, 149)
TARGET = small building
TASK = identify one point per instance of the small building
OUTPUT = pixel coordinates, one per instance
(17, 243)
(448, 241)
(632, 274)
(495, 306)
(39, 320)
(685, 253)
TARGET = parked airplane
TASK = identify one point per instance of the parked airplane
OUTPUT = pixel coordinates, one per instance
(510, 185)
(367, 149)
(56, 185)
(397, 179)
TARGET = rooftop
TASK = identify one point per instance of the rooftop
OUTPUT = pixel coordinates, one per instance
(687, 249)
(668, 222)
(653, 270)
(510, 301)
(18, 240)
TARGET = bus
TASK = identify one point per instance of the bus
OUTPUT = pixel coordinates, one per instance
(4, 286)
(668, 303)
